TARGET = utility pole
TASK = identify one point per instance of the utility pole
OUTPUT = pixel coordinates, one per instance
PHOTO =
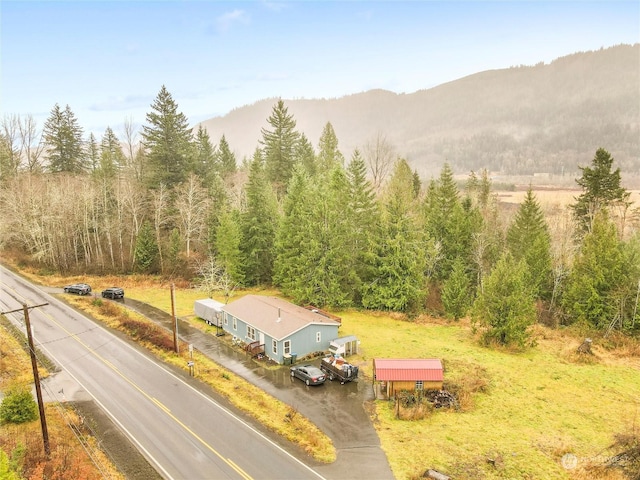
(36, 376)
(174, 320)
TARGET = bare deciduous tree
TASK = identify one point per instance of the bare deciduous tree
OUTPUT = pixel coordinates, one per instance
(214, 278)
(192, 204)
(31, 145)
(380, 156)
(132, 149)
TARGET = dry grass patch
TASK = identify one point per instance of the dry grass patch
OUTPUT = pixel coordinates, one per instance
(23, 443)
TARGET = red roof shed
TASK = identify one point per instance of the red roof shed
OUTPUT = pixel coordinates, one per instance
(404, 369)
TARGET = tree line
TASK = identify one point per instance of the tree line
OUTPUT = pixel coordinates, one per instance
(327, 231)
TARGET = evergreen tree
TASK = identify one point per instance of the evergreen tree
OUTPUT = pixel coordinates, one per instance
(93, 153)
(362, 214)
(63, 139)
(259, 226)
(205, 159)
(451, 222)
(505, 306)
(279, 147)
(146, 250)
(328, 153)
(228, 240)
(528, 239)
(291, 239)
(175, 247)
(306, 155)
(325, 259)
(417, 184)
(601, 188)
(112, 157)
(168, 142)
(456, 291)
(226, 159)
(398, 260)
(598, 272)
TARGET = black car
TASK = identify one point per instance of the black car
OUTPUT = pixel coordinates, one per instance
(308, 374)
(113, 293)
(78, 288)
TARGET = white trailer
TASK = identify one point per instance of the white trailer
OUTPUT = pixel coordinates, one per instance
(210, 311)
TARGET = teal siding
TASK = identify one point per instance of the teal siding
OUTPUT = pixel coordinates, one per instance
(303, 342)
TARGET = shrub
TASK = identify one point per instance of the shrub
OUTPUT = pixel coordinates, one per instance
(18, 406)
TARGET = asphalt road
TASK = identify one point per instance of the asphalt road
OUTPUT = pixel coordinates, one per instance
(181, 431)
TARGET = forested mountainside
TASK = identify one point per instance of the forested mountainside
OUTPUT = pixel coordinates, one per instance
(519, 120)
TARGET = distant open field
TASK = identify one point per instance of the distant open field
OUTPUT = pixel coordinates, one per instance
(550, 197)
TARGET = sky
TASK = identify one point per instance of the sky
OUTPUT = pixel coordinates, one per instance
(108, 60)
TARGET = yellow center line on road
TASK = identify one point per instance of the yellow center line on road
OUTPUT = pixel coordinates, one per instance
(160, 405)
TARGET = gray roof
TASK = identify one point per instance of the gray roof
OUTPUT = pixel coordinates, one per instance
(344, 340)
(274, 316)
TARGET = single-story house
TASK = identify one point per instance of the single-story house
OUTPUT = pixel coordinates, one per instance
(278, 329)
(397, 374)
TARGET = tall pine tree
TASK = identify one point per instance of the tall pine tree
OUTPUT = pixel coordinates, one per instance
(279, 147)
(259, 226)
(601, 189)
(363, 214)
(528, 239)
(168, 142)
(63, 137)
(398, 260)
(204, 163)
(597, 273)
(226, 160)
(328, 153)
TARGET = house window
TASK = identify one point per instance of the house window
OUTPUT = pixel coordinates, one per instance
(287, 347)
(235, 323)
(274, 346)
(419, 385)
(318, 337)
(226, 318)
(251, 332)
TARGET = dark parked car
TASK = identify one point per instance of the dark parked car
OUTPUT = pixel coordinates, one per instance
(308, 374)
(79, 288)
(113, 293)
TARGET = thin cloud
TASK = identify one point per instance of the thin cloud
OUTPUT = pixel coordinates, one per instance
(273, 76)
(227, 20)
(274, 6)
(121, 103)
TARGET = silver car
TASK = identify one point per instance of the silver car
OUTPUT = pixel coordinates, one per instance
(308, 374)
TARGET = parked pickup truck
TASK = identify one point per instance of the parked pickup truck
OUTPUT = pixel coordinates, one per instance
(337, 367)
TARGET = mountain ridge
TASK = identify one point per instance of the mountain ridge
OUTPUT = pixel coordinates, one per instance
(549, 117)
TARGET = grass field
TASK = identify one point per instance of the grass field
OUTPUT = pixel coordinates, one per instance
(539, 404)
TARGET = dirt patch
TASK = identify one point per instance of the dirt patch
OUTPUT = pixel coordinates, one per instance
(115, 444)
